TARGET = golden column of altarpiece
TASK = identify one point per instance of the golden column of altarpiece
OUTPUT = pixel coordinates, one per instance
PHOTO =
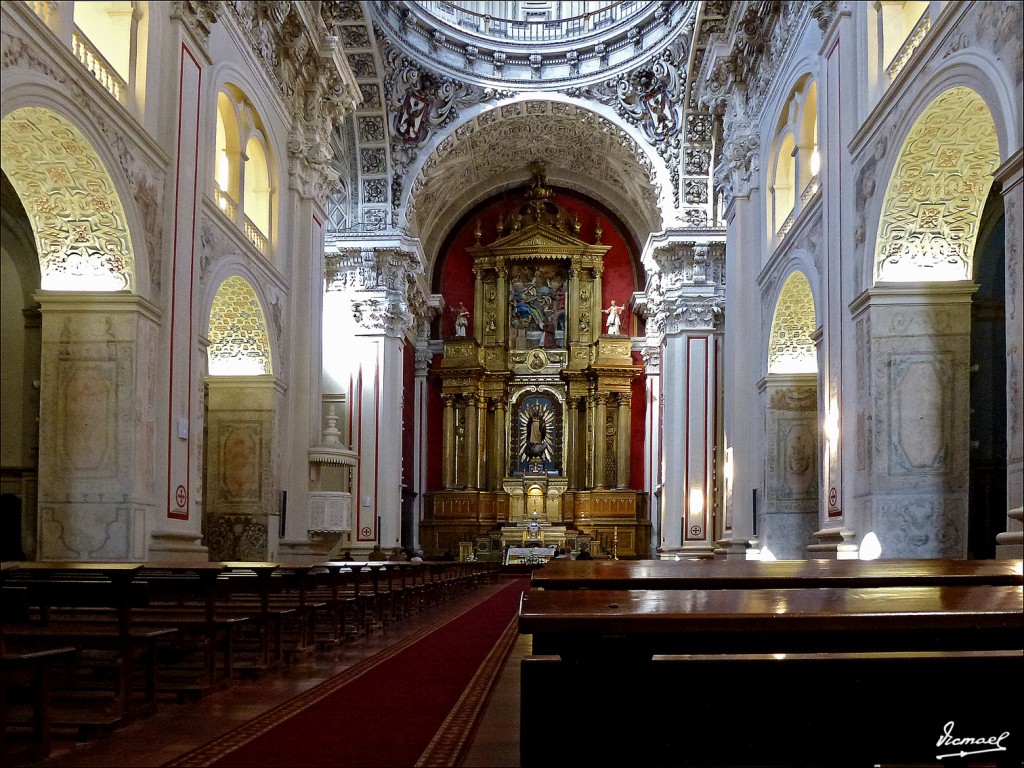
(536, 399)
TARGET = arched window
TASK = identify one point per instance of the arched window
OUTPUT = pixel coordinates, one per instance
(902, 24)
(937, 191)
(783, 190)
(226, 165)
(243, 181)
(796, 162)
(791, 346)
(808, 161)
(239, 343)
(257, 193)
(105, 39)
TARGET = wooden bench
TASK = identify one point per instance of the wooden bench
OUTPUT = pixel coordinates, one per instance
(88, 606)
(765, 710)
(190, 596)
(25, 677)
(743, 655)
(638, 624)
(750, 574)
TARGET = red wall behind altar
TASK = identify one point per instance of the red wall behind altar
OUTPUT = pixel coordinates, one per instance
(453, 279)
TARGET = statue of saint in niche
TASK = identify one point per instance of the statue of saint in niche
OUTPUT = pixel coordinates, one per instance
(538, 435)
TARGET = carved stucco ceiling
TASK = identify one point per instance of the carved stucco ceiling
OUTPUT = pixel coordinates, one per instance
(492, 152)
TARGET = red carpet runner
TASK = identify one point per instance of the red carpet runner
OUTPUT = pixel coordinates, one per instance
(412, 705)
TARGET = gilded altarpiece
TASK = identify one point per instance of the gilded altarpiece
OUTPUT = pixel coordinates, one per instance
(536, 402)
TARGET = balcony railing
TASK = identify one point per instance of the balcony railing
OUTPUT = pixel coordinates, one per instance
(101, 69)
(256, 237)
(809, 190)
(225, 203)
(913, 40)
(541, 31)
(787, 225)
(43, 9)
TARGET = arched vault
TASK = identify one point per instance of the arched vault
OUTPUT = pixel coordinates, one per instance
(492, 151)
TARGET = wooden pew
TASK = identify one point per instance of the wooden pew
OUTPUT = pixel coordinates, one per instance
(827, 710)
(947, 650)
(89, 606)
(636, 624)
(250, 585)
(25, 676)
(187, 596)
(750, 574)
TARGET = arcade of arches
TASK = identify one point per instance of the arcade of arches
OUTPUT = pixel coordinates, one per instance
(701, 279)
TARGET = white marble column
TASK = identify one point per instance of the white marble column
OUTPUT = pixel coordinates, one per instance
(688, 310)
(371, 277)
(421, 443)
(653, 438)
(789, 513)
(837, 393)
(241, 507)
(914, 448)
(738, 177)
(97, 488)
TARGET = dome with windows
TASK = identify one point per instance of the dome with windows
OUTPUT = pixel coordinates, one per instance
(540, 44)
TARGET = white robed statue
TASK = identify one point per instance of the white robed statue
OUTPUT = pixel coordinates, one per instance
(614, 313)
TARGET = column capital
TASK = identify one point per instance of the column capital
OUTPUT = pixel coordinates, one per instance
(379, 279)
(693, 314)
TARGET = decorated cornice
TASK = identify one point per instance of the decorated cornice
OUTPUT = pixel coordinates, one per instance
(197, 16)
(739, 166)
(686, 289)
(690, 314)
(302, 58)
(553, 64)
(419, 103)
(736, 73)
(650, 98)
(377, 281)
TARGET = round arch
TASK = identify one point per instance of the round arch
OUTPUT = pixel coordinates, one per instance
(581, 148)
(81, 209)
(966, 68)
(933, 202)
(791, 347)
(239, 344)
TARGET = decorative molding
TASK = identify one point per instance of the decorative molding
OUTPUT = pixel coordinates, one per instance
(302, 59)
(197, 17)
(377, 282)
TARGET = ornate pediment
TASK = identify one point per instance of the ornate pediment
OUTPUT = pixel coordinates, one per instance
(539, 228)
(541, 241)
